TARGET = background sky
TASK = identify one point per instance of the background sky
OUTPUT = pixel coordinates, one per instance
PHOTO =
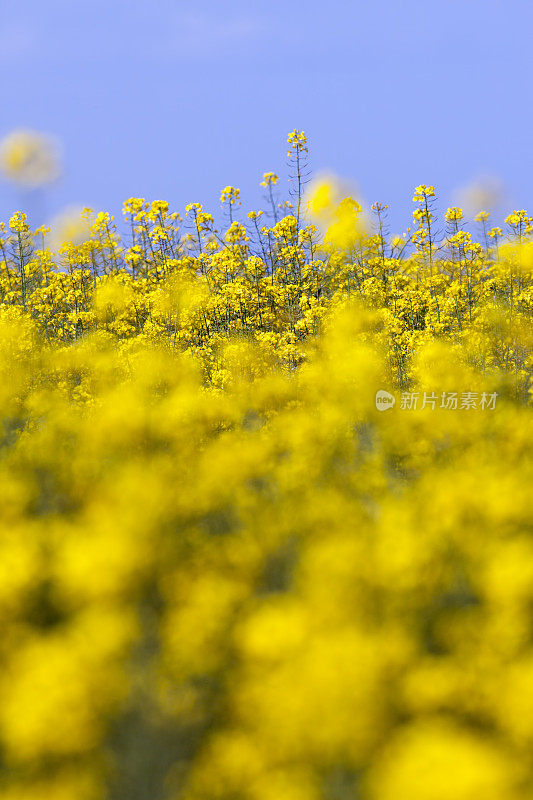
(174, 100)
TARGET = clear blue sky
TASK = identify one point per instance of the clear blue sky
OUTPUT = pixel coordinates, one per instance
(174, 100)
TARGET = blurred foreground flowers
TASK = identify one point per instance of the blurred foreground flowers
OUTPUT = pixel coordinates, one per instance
(225, 573)
(29, 159)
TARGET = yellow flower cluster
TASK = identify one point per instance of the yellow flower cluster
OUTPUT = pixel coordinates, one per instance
(269, 179)
(297, 141)
(230, 194)
(225, 571)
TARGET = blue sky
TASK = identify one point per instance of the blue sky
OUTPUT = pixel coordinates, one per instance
(174, 100)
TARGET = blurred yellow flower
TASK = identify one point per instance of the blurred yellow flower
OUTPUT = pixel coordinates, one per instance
(29, 158)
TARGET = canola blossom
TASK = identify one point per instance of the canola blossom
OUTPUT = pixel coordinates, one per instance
(230, 565)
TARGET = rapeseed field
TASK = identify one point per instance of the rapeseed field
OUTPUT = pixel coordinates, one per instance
(266, 523)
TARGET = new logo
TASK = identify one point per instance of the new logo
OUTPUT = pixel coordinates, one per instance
(384, 400)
